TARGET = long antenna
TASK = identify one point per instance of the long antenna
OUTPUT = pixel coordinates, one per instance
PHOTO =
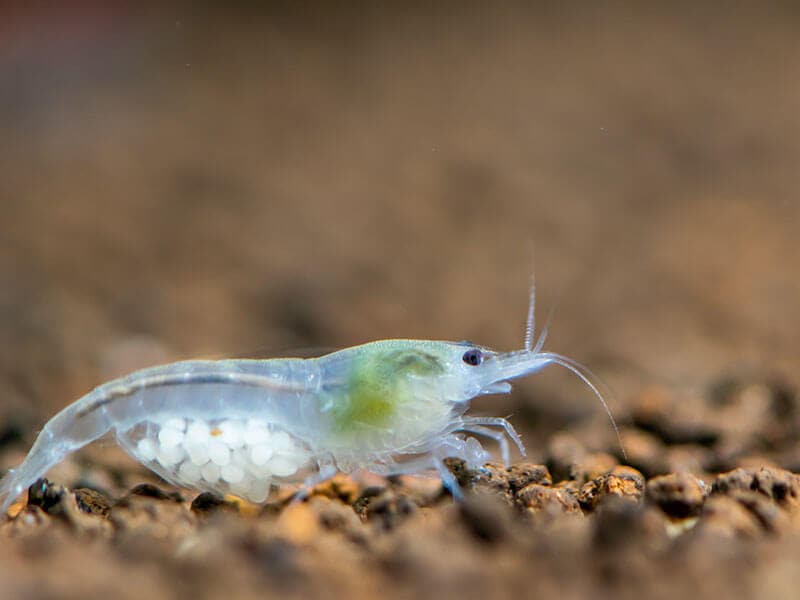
(530, 324)
(585, 375)
(543, 335)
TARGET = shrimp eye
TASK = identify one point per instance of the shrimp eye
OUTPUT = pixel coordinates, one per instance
(473, 357)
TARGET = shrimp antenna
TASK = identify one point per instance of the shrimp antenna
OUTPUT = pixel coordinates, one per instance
(530, 327)
(543, 335)
(586, 376)
(530, 323)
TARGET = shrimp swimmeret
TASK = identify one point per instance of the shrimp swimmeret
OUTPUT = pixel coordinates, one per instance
(238, 426)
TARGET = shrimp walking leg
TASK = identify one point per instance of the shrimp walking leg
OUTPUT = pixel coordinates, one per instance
(325, 472)
(430, 462)
(452, 446)
(449, 480)
(468, 424)
(497, 436)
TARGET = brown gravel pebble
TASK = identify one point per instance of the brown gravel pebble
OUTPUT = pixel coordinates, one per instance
(771, 518)
(494, 479)
(726, 517)
(675, 419)
(536, 498)
(151, 491)
(93, 502)
(206, 503)
(622, 482)
(679, 495)
(388, 508)
(524, 474)
(340, 486)
(564, 451)
(486, 517)
(645, 451)
(777, 484)
(46, 496)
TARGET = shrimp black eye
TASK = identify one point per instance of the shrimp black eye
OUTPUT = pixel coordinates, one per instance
(473, 357)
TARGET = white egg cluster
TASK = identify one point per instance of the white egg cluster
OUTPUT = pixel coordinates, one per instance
(236, 456)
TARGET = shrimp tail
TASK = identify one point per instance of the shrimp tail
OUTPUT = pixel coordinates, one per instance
(66, 432)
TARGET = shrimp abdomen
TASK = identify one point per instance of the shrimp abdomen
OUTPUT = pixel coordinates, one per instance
(209, 393)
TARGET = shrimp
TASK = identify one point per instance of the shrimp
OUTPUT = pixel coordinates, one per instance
(239, 426)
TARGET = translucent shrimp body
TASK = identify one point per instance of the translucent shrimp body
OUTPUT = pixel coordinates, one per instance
(238, 426)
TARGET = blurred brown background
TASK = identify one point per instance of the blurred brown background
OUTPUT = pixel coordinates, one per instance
(189, 181)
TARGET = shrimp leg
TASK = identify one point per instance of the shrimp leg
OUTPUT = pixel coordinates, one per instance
(468, 424)
(434, 461)
(453, 446)
(497, 436)
(324, 474)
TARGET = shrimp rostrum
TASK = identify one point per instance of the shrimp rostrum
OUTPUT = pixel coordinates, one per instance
(239, 426)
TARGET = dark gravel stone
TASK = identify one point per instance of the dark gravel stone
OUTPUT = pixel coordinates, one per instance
(536, 498)
(149, 490)
(46, 496)
(678, 495)
(621, 482)
(207, 503)
(777, 484)
(390, 509)
(93, 502)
